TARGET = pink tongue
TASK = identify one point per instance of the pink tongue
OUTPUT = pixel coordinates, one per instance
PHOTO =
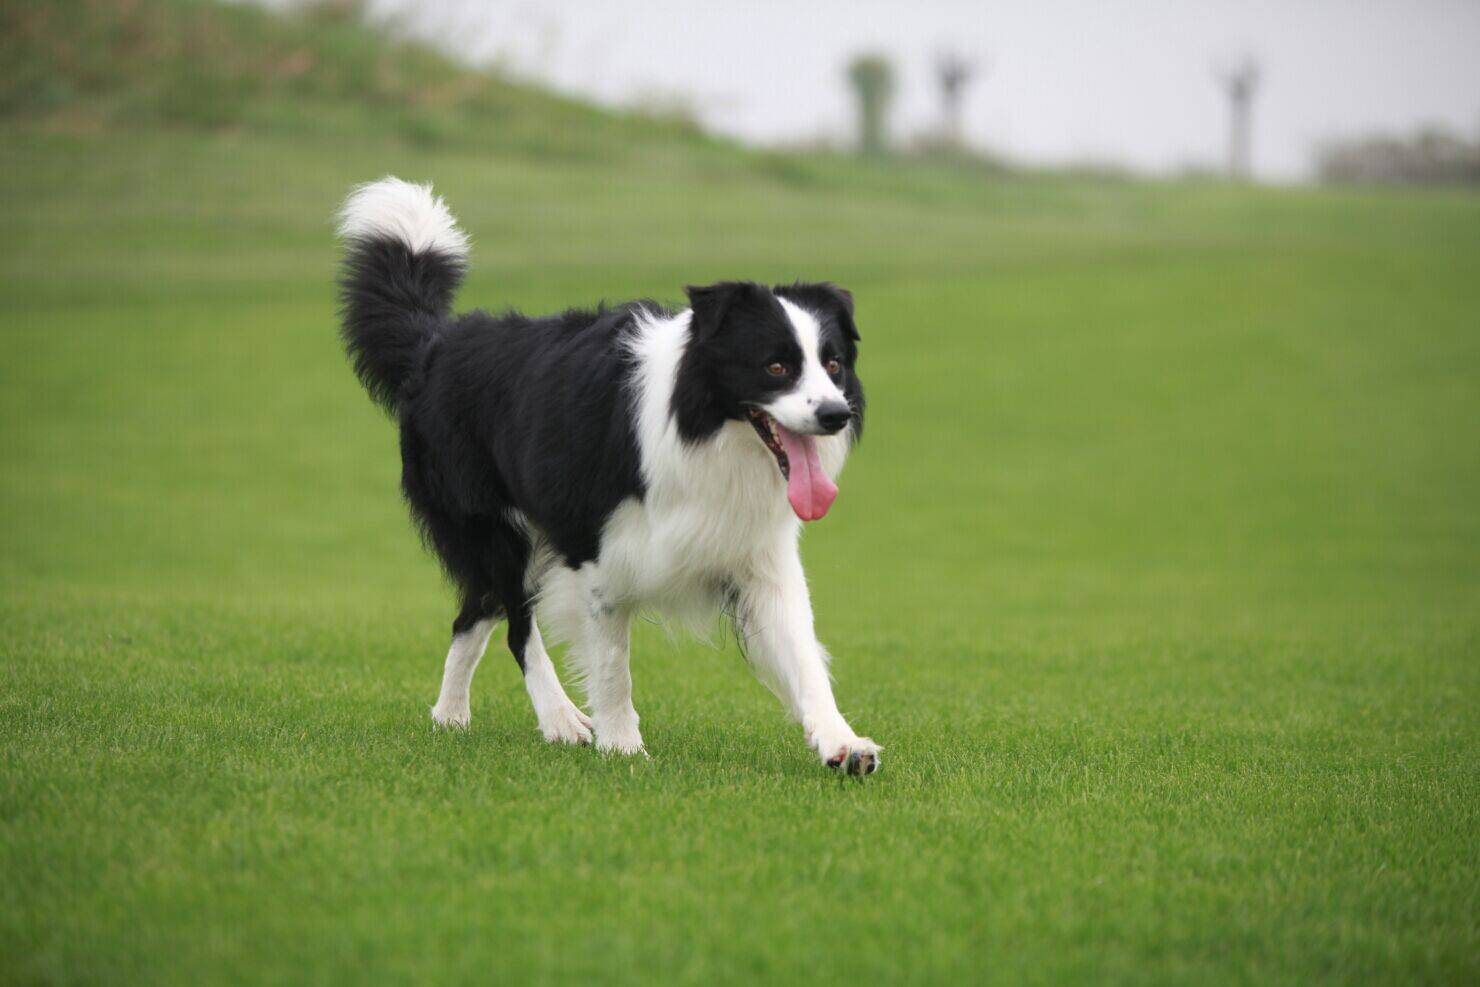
(810, 490)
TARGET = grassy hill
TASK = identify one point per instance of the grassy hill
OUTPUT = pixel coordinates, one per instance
(1158, 574)
(83, 64)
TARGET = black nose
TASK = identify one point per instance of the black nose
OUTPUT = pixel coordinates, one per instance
(832, 416)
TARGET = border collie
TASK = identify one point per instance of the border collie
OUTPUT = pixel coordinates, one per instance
(574, 470)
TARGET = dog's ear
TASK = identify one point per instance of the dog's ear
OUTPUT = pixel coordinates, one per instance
(714, 304)
(824, 298)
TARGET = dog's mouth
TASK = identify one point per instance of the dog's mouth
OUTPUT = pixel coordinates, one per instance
(765, 426)
(808, 487)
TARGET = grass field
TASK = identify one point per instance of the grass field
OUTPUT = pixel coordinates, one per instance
(1158, 575)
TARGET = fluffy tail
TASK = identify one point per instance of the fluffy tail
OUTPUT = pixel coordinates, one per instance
(404, 259)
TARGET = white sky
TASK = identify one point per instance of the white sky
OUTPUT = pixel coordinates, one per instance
(1128, 81)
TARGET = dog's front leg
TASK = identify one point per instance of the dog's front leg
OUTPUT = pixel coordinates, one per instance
(604, 656)
(774, 614)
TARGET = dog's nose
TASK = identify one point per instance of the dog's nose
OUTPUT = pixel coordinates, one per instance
(832, 416)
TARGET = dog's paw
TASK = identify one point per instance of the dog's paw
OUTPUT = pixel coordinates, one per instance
(451, 717)
(842, 750)
(564, 723)
(861, 759)
(619, 739)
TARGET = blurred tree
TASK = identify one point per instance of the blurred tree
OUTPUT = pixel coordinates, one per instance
(1430, 156)
(873, 83)
(1240, 81)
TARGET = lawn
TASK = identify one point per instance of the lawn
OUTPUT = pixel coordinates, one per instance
(1157, 573)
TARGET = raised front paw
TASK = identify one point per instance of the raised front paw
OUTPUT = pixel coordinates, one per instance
(843, 750)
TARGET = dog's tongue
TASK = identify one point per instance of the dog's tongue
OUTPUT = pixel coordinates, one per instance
(810, 490)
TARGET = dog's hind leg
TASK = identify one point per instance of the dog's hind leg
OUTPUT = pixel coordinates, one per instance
(491, 560)
(561, 722)
(486, 558)
(470, 632)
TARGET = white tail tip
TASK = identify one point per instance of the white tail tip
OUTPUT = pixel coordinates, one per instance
(397, 210)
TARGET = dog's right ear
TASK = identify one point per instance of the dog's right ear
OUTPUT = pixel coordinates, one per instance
(713, 304)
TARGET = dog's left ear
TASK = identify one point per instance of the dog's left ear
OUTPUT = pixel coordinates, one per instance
(824, 297)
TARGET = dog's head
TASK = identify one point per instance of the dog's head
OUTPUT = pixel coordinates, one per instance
(783, 359)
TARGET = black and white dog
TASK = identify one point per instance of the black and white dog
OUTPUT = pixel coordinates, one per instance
(573, 470)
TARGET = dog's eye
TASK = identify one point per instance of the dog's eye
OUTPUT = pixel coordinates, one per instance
(777, 369)
(834, 368)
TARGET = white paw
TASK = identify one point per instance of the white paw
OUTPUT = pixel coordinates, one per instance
(451, 717)
(621, 738)
(564, 723)
(843, 750)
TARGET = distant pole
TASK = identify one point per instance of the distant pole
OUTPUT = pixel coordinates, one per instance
(873, 83)
(1240, 82)
(953, 73)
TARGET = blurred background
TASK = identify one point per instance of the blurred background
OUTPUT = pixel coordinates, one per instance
(1157, 573)
(1382, 90)
(1142, 86)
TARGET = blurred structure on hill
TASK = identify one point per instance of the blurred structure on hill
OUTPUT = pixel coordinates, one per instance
(953, 73)
(872, 77)
(1431, 156)
(1240, 81)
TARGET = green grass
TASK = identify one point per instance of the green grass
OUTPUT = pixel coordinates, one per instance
(1158, 575)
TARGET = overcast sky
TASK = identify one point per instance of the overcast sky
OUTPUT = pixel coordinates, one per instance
(1128, 81)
